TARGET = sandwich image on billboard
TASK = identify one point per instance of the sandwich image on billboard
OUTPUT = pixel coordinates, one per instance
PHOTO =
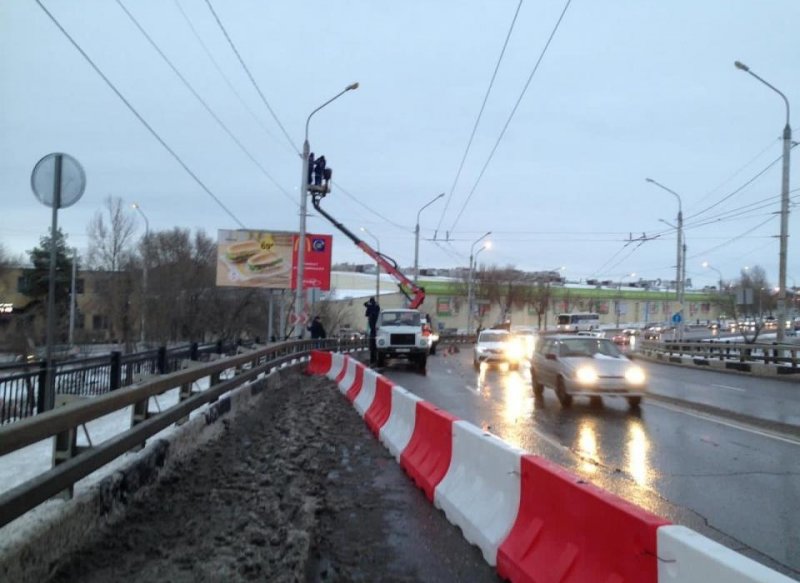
(267, 259)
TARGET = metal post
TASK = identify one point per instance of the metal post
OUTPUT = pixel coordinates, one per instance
(469, 298)
(50, 394)
(270, 310)
(787, 147)
(72, 295)
(416, 237)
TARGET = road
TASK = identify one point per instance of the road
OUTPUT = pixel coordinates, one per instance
(720, 474)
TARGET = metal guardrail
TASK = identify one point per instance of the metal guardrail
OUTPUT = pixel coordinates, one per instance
(72, 463)
(780, 355)
(22, 384)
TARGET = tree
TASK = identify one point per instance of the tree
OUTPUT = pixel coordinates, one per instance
(538, 296)
(38, 279)
(110, 236)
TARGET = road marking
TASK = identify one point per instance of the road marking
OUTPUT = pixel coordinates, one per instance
(730, 388)
(732, 424)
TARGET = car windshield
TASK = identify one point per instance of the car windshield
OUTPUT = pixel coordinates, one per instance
(492, 337)
(400, 319)
(588, 347)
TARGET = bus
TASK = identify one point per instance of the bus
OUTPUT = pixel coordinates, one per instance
(576, 322)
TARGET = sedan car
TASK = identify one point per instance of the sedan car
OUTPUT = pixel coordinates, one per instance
(592, 367)
(497, 346)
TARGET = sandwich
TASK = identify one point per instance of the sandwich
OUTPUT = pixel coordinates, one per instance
(239, 252)
(266, 262)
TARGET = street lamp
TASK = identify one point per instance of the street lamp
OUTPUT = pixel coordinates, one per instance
(681, 267)
(787, 146)
(299, 303)
(377, 265)
(416, 237)
(472, 256)
(144, 269)
(707, 265)
(619, 295)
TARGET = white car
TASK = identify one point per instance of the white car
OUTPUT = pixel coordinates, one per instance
(581, 366)
(498, 346)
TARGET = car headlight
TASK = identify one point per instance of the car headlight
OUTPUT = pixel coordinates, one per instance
(635, 375)
(586, 375)
(423, 341)
(513, 350)
(381, 341)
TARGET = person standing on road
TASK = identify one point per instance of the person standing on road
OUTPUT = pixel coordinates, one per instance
(317, 329)
(372, 313)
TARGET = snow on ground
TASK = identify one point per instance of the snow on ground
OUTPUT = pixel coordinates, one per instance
(25, 464)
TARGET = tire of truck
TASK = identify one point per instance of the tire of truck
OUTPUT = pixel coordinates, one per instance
(634, 402)
(422, 363)
(381, 359)
(433, 347)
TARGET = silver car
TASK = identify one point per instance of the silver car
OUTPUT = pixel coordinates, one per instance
(591, 367)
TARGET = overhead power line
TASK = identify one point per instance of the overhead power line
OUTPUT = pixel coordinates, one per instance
(204, 104)
(139, 116)
(250, 76)
(478, 119)
(511, 116)
(222, 74)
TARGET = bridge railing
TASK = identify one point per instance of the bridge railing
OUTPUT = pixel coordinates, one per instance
(782, 356)
(72, 462)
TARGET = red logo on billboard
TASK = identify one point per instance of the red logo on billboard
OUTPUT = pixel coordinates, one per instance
(318, 254)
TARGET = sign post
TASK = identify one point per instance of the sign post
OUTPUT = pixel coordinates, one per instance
(58, 181)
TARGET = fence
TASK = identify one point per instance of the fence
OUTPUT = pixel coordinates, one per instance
(72, 462)
(780, 358)
(22, 384)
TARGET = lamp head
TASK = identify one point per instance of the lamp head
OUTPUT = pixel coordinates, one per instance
(740, 65)
(351, 87)
(134, 205)
(705, 263)
(649, 180)
(487, 245)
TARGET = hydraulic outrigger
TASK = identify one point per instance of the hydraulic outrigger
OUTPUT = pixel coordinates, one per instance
(417, 295)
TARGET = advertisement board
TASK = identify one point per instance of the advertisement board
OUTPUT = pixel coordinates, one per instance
(268, 259)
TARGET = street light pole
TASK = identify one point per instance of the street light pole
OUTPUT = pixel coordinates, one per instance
(377, 265)
(784, 236)
(681, 268)
(472, 256)
(416, 237)
(299, 302)
(707, 265)
(144, 270)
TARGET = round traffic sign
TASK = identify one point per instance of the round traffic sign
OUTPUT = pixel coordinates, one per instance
(70, 187)
(676, 318)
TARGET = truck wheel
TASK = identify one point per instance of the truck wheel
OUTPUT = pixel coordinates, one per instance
(634, 402)
(422, 363)
(381, 359)
(433, 347)
(561, 393)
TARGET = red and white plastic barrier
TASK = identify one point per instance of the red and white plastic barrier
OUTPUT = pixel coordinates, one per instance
(531, 518)
(480, 492)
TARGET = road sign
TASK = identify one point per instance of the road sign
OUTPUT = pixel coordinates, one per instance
(58, 180)
(676, 318)
(301, 319)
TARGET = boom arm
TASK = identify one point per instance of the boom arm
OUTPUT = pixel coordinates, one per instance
(387, 263)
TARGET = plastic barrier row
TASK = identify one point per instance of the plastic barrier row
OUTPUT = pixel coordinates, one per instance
(532, 519)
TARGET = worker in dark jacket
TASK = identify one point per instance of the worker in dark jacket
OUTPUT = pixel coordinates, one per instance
(372, 313)
(316, 328)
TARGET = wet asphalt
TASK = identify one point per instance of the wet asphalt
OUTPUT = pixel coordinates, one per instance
(736, 482)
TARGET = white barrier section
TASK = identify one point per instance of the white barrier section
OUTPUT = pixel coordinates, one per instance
(337, 362)
(349, 376)
(687, 556)
(480, 492)
(399, 427)
(367, 394)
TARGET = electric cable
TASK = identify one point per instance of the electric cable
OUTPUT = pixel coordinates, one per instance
(203, 103)
(250, 76)
(139, 116)
(478, 119)
(511, 116)
(222, 74)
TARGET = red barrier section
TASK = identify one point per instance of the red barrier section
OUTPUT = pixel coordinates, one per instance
(340, 376)
(378, 413)
(426, 458)
(569, 531)
(320, 362)
(358, 382)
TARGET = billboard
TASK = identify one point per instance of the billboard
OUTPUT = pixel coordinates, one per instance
(268, 259)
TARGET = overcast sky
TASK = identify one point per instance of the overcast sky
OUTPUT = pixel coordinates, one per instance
(626, 90)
